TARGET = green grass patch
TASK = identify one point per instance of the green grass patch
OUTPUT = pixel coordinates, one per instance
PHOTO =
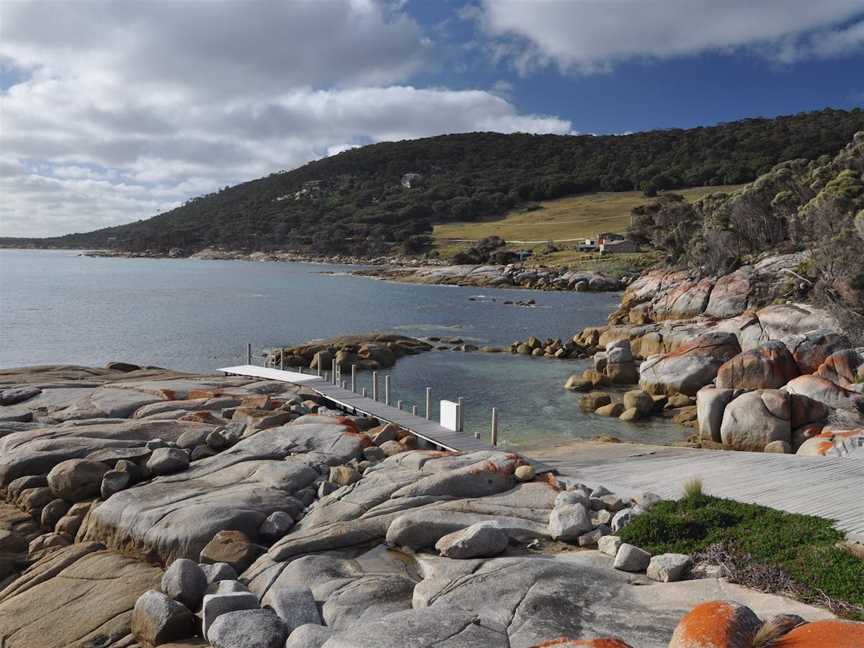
(758, 540)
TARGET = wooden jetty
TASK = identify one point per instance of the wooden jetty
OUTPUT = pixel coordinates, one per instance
(830, 487)
(426, 429)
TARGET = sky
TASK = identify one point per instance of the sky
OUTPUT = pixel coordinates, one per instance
(115, 110)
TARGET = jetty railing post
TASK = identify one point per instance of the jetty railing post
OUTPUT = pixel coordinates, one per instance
(494, 427)
(363, 392)
(428, 403)
(334, 372)
(249, 353)
(399, 404)
(353, 377)
(414, 409)
(375, 385)
(282, 358)
(387, 389)
(460, 411)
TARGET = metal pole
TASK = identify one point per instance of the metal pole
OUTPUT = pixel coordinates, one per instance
(353, 377)
(460, 423)
(494, 427)
(428, 403)
(399, 404)
(249, 353)
(387, 389)
(414, 409)
(375, 385)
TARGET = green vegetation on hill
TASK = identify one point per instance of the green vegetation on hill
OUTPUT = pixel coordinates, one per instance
(763, 548)
(354, 203)
(799, 205)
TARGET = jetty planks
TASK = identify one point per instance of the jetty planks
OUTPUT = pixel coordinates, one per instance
(350, 401)
(829, 487)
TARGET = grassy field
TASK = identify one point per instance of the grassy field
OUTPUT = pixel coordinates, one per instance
(580, 216)
(763, 548)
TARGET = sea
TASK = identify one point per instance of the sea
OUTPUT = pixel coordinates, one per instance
(61, 307)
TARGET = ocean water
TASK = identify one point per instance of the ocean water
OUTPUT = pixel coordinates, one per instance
(60, 307)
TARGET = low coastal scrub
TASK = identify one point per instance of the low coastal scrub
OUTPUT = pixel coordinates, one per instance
(761, 548)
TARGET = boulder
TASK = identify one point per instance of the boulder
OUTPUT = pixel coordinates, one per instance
(294, 604)
(76, 479)
(165, 461)
(275, 526)
(631, 414)
(826, 392)
(730, 294)
(612, 409)
(716, 623)
(631, 559)
(804, 411)
(591, 402)
(619, 351)
(578, 383)
(343, 475)
(52, 513)
(817, 446)
(113, 481)
(480, 540)
(525, 473)
(158, 619)
(391, 448)
(778, 447)
(215, 572)
(691, 367)
(710, 405)
(309, 636)
(247, 629)
(232, 547)
(815, 347)
(670, 567)
(569, 522)
(622, 373)
(622, 518)
(215, 605)
(184, 582)
(640, 401)
(609, 545)
(755, 419)
(768, 366)
(841, 367)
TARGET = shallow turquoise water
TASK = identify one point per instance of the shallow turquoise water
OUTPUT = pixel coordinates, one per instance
(59, 307)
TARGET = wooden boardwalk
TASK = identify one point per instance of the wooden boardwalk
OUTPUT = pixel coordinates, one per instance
(429, 430)
(830, 487)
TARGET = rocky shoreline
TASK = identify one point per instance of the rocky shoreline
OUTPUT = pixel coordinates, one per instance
(778, 377)
(145, 507)
(413, 270)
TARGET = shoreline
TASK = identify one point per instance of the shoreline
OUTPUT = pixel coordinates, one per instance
(410, 270)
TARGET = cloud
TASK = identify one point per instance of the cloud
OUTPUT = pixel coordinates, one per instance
(591, 36)
(119, 110)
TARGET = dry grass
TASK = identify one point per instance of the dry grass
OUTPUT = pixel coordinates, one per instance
(575, 217)
(693, 488)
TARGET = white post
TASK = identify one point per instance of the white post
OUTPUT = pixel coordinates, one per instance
(399, 404)
(334, 371)
(387, 389)
(249, 353)
(494, 427)
(375, 385)
(353, 377)
(326, 376)
(364, 392)
(282, 358)
(414, 409)
(428, 403)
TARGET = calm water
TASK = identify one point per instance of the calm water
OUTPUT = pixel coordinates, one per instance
(58, 307)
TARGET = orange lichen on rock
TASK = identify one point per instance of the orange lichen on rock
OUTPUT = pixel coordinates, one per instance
(716, 624)
(823, 634)
(563, 642)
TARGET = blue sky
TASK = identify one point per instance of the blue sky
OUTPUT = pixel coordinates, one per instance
(115, 111)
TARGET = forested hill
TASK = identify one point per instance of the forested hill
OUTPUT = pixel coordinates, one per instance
(355, 202)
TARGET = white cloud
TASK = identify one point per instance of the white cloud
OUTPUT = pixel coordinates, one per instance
(129, 108)
(590, 36)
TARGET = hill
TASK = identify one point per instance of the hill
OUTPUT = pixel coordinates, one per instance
(355, 202)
